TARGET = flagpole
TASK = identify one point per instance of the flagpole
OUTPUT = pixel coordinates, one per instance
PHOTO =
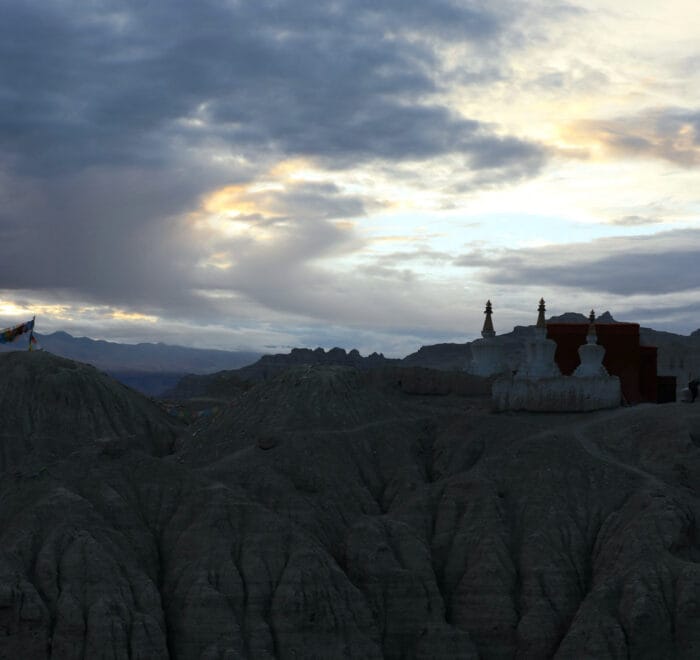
(31, 334)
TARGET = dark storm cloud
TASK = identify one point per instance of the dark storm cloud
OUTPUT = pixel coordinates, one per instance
(113, 237)
(111, 114)
(121, 239)
(659, 264)
(112, 82)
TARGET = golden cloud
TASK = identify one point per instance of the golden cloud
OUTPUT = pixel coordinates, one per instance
(659, 134)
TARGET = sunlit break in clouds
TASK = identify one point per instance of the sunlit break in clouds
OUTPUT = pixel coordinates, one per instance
(362, 174)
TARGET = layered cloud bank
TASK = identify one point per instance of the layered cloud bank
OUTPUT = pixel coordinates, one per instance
(280, 173)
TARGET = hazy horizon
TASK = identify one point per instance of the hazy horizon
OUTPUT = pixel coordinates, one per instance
(267, 349)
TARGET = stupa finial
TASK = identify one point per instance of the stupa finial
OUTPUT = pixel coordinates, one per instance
(592, 336)
(487, 330)
(541, 323)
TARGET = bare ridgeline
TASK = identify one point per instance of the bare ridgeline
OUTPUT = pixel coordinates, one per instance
(327, 511)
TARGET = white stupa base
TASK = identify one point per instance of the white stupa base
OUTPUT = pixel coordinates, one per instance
(556, 394)
(590, 371)
(537, 371)
(487, 358)
(539, 359)
(486, 370)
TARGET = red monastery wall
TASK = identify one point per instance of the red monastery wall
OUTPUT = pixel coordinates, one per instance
(633, 364)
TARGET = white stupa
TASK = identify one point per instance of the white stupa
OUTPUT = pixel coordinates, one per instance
(591, 354)
(540, 386)
(487, 353)
(539, 352)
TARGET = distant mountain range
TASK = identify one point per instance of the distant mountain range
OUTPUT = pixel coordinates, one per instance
(179, 371)
(149, 368)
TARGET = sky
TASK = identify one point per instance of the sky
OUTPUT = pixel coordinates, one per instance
(274, 173)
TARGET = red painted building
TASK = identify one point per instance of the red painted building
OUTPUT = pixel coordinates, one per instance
(632, 363)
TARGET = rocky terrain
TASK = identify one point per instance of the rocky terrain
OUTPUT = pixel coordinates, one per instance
(221, 383)
(334, 512)
(270, 365)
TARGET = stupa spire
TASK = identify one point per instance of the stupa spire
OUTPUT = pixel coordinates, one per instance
(488, 331)
(592, 336)
(487, 358)
(541, 323)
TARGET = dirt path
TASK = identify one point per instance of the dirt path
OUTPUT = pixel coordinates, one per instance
(594, 450)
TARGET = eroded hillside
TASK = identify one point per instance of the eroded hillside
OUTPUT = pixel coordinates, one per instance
(329, 513)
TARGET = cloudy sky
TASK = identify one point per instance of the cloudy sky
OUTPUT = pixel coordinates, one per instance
(361, 173)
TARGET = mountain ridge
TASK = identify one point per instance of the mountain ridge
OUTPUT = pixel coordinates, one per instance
(444, 357)
(156, 369)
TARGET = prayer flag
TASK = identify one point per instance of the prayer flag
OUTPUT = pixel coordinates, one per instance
(8, 335)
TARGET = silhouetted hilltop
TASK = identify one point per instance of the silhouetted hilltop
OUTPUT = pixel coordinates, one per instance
(51, 405)
(575, 317)
(440, 356)
(270, 365)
